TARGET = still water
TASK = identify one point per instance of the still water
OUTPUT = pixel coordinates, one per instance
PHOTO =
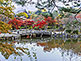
(46, 49)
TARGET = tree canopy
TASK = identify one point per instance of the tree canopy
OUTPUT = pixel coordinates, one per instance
(6, 8)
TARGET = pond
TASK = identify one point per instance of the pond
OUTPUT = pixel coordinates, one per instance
(45, 49)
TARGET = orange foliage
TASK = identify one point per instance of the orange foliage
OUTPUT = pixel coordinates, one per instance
(41, 44)
(78, 16)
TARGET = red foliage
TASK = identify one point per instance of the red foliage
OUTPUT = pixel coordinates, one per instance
(50, 20)
(15, 23)
(78, 16)
(30, 23)
(28, 36)
(40, 24)
(0, 32)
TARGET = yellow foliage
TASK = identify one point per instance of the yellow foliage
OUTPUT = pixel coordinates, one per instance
(6, 9)
(44, 10)
(1, 1)
(4, 27)
(22, 14)
(8, 49)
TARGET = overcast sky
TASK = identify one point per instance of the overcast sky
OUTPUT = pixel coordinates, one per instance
(33, 8)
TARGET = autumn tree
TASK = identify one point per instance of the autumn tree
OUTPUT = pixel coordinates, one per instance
(6, 14)
(6, 8)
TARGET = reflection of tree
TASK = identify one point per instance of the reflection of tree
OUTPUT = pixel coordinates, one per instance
(66, 45)
(7, 49)
(73, 44)
(51, 44)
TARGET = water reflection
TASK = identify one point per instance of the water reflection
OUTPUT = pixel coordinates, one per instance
(37, 50)
(8, 49)
(74, 44)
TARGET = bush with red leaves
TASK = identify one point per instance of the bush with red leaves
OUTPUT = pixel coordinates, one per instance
(50, 20)
(40, 24)
(29, 23)
(15, 23)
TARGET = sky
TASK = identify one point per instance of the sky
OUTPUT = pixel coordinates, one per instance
(32, 7)
(29, 7)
